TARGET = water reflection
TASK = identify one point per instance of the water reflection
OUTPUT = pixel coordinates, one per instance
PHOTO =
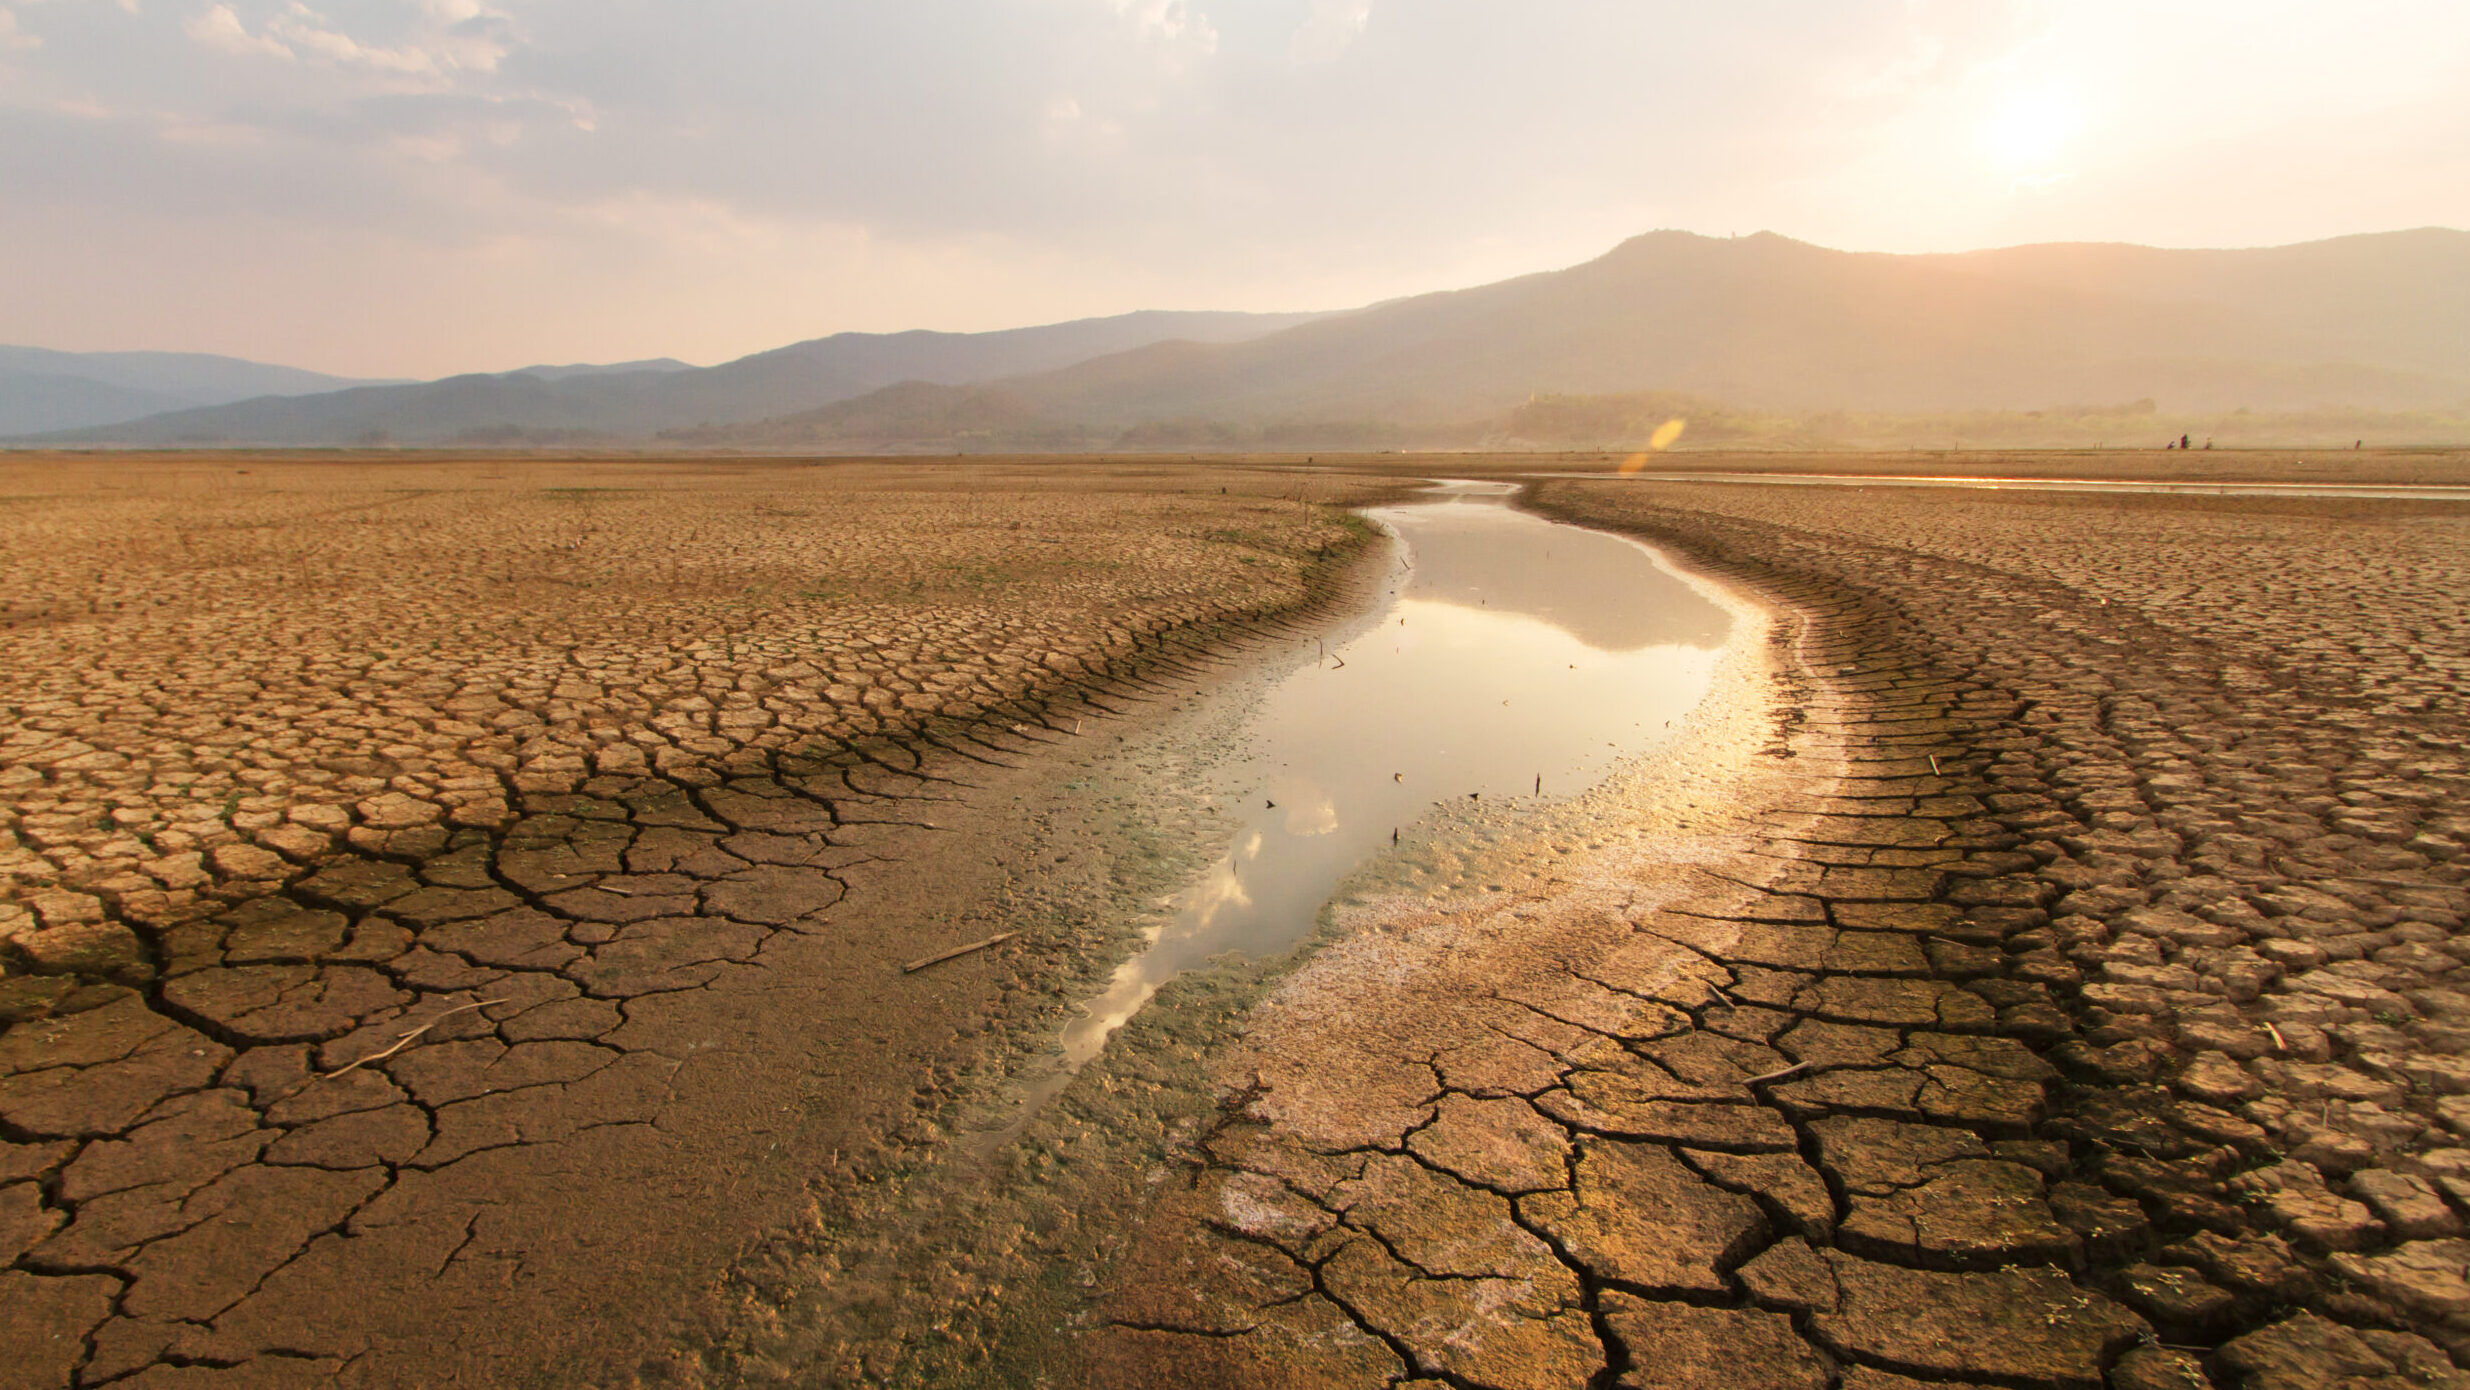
(1515, 653)
(1572, 579)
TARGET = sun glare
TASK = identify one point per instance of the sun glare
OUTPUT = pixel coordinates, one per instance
(2029, 132)
(1663, 438)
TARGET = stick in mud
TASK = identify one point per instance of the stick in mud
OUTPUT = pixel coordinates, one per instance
(997, 939)
(406, 1039)
(1777, 1075)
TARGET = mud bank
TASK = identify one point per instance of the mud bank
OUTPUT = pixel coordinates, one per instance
(2048, 975)
(1398, 1063)
(458, 1010)
(979, 1267)
(2073, 1007)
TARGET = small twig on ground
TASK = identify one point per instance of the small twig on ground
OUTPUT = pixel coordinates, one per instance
(405, 1040)
(997, 939)
(1776, 1075)
(2280, 1044)
(1718, 991)
(1934, 772)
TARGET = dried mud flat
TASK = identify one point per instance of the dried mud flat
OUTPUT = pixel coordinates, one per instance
(2058, 982)
(2043, 969)
(433, 890)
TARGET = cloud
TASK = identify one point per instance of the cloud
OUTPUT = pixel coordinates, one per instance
(1175, 23)
(218, 28)
(1087, 156)
(459, 36)
(1332, 26)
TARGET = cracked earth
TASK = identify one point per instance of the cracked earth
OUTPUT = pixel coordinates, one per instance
(2054, 978)
(432, 892)
(438, 894)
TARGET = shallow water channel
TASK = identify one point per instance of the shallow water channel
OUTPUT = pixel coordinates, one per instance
(1509, 656)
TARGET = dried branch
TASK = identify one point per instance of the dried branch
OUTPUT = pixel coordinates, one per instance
(405, 1040)
(997, 939)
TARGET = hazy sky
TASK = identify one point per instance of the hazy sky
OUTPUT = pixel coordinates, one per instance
(424, 186)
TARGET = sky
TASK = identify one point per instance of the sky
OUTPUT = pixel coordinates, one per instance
(420, 187)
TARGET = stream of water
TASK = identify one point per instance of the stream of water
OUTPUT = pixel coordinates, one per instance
(1510, 656)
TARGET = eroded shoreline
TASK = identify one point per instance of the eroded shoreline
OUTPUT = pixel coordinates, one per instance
(2056, 1025)
(1009, 1258)
(497, 1078)
(2100, 956)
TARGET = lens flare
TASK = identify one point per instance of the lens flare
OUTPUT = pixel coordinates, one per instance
(1657, 443)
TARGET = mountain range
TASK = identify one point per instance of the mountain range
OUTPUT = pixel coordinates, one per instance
(42, 390)
(2378, 322)
(636, 400)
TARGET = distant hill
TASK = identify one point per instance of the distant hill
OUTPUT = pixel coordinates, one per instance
(638, 400)
(576, 369)
(1764, 325)
(43, 390)
(1766, 322)
(2396, 300)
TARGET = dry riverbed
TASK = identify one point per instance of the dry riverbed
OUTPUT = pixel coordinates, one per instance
(2036, 963)
(2071, 994)
(455, 907)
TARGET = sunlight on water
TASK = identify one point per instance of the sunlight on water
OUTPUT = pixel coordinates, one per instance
(1515, 653)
